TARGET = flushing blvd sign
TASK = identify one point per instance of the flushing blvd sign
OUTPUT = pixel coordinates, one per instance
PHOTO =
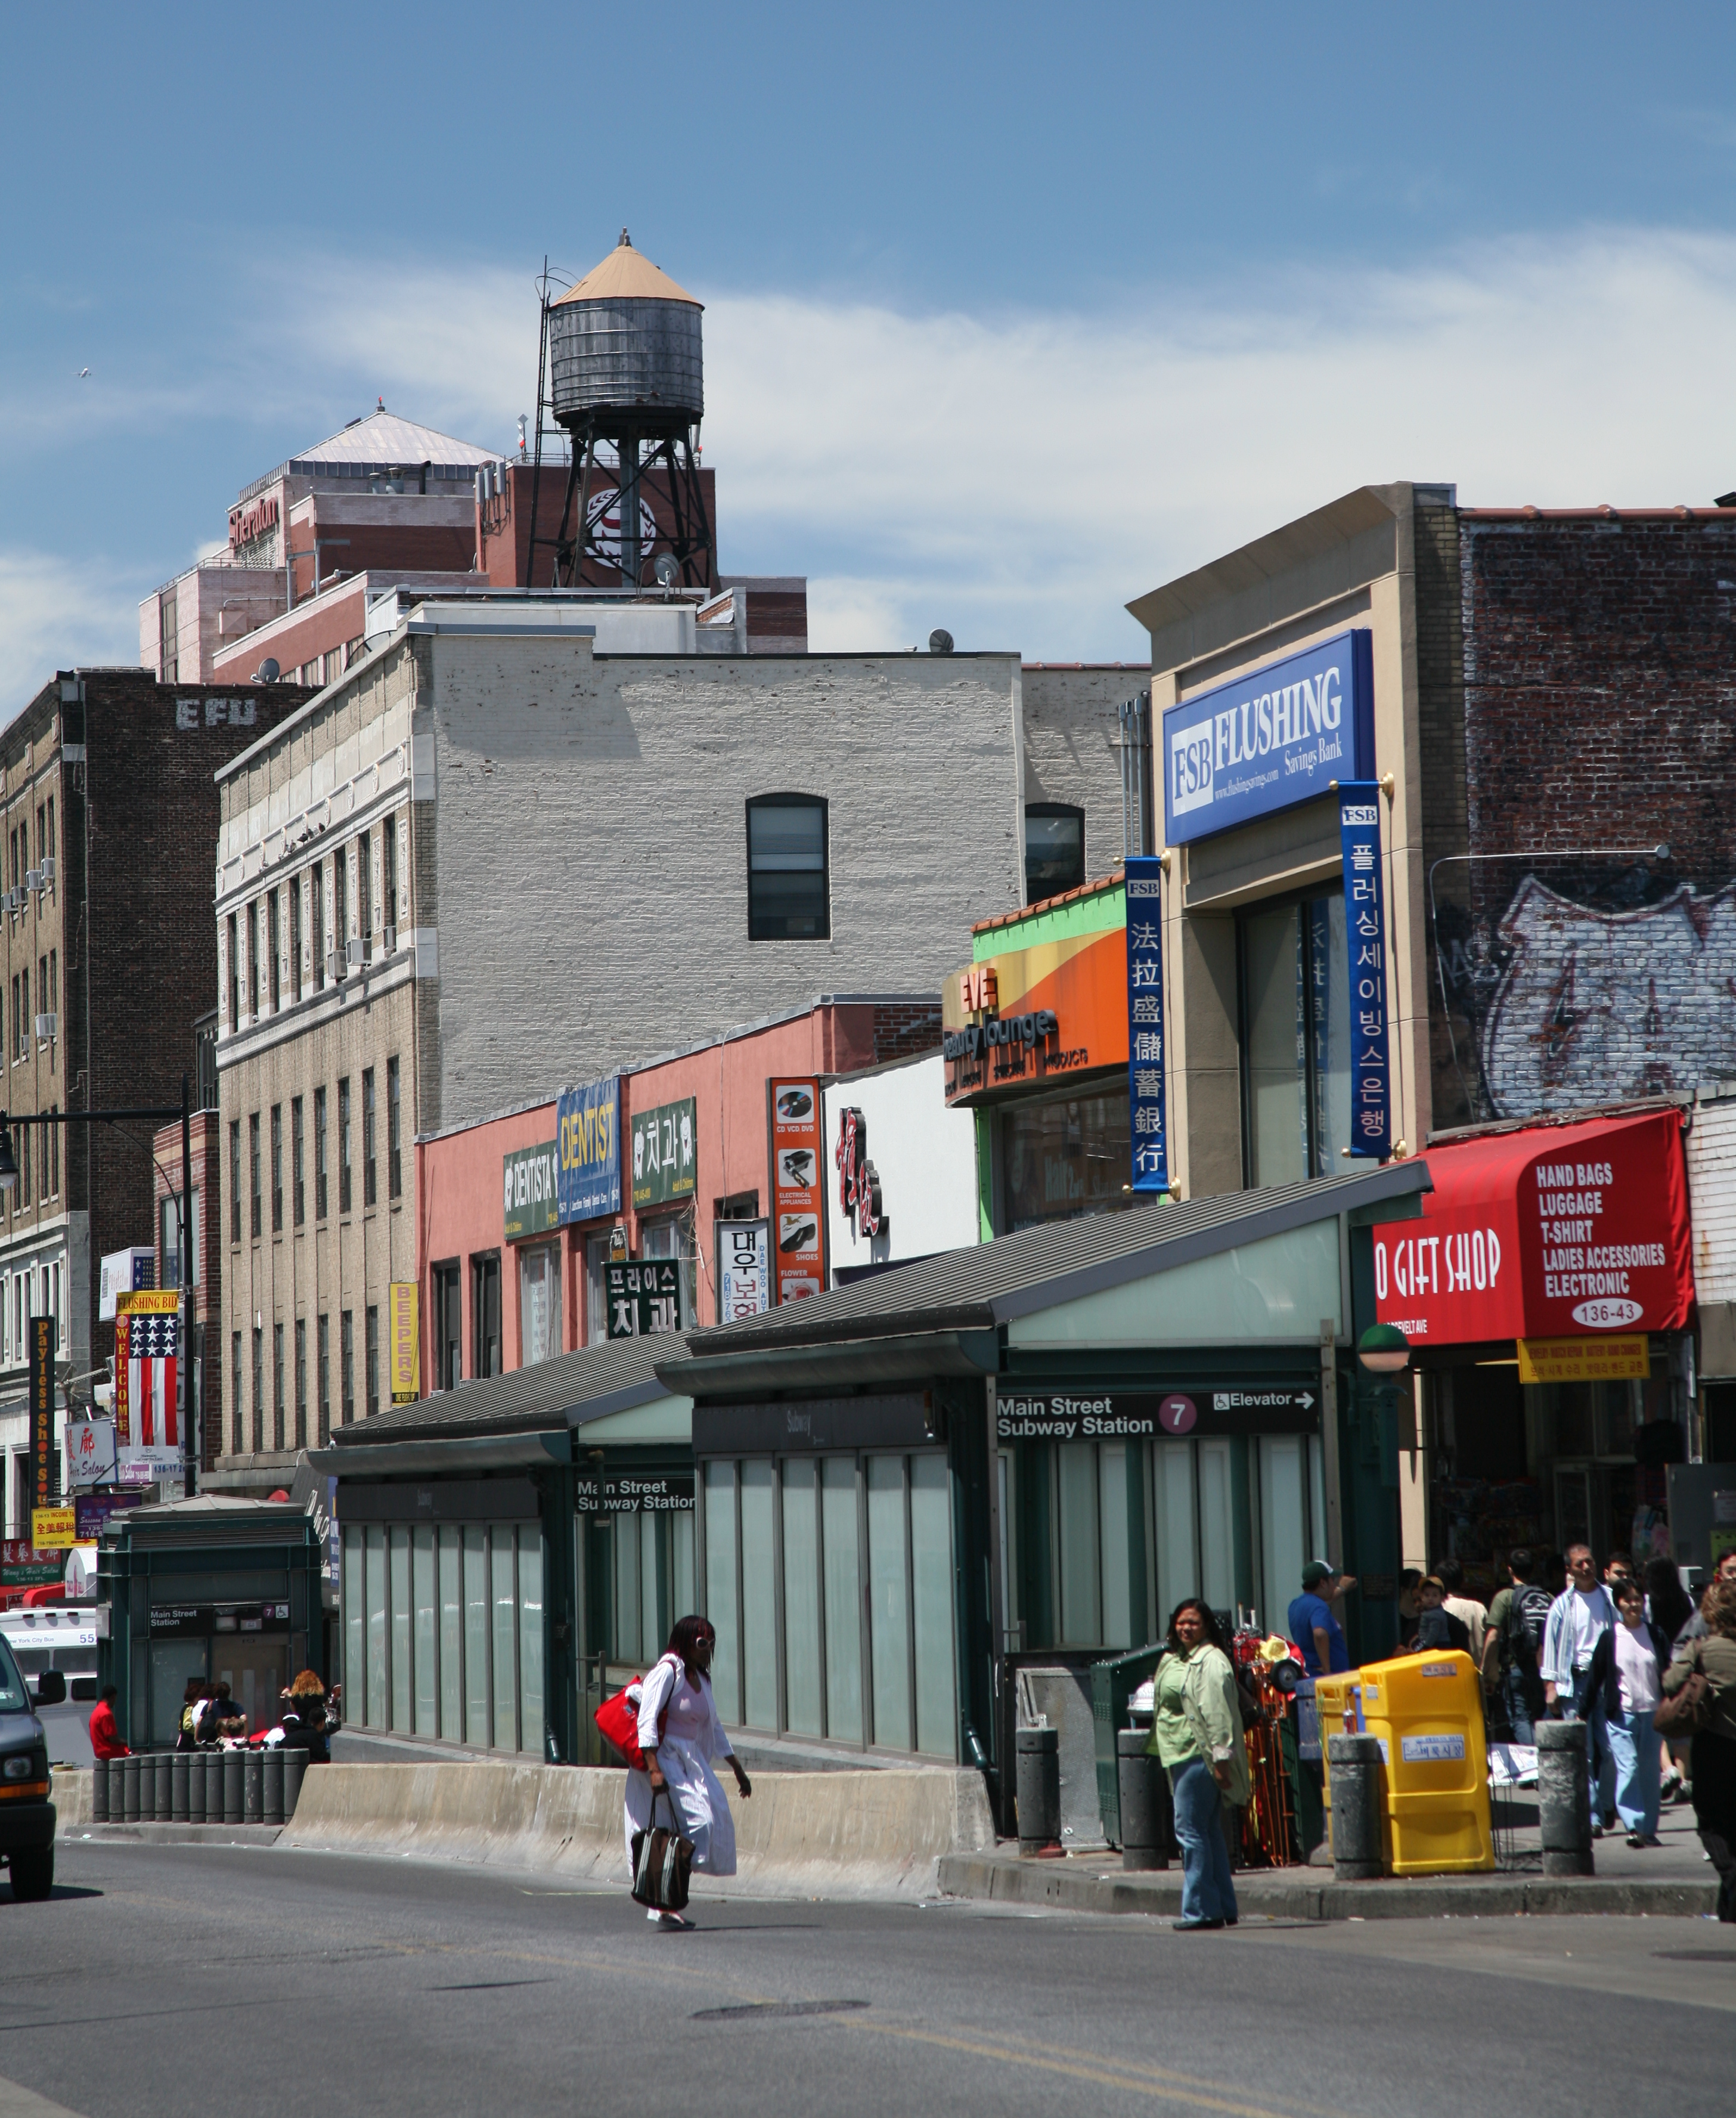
(1280, 735)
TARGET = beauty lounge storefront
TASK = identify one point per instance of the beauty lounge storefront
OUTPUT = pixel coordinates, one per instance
(1547, 1292)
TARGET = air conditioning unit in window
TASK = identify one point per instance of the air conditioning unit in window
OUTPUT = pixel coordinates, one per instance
(47, 871)
(46, 1026)
(389, 940)
(13, 900)
(334, 964)
(354, 948)
(32, 878)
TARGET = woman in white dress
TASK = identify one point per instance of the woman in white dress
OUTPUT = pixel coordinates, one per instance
(679, 1733)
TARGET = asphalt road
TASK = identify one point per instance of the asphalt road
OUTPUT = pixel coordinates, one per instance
(360, 1986)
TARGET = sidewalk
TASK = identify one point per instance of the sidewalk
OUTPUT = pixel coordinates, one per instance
(1674, 1880)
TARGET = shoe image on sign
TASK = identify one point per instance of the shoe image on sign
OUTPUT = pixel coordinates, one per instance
(795, 1103)
(798, 1233)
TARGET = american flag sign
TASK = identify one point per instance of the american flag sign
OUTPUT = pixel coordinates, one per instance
(147, 1343)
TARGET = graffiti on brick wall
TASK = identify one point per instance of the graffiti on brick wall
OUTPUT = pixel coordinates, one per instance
(1565, 1004)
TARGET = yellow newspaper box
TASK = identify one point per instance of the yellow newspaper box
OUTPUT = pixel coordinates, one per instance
(1427, 1710)
(1333, 1695)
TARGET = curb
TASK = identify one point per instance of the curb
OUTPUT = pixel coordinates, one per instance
(1087, 1890)
(173, 1834)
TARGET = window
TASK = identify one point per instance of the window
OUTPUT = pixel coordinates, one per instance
(51, 1003)
(23, 1015)
(372, 1350)
(24, 1165)
(786, 851)
(319, 1154)
(365, 896)
(343, 1145)
(51, 842)
(235, 1180)
(539, 1303)
(253, 961)
(237, 1434)
(54, 1164)
(277, 1385)
(346, 1364)
(389, 906)
(277, 1169)
(485, 1315)
(341, 908)
(259, 1390)
(234, 983)
(301, 1382)
(324, 1337)
(298, 1162)
(368, 1136)
(449, 1343)
(316, 890)
(1296, 1040)
(274, 958)
(394, 1133)
(1055, 849)
(295, 938)
(169, 1274)
(253, 1169)
(1063, 1156)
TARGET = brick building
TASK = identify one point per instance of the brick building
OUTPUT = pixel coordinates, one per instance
(110, 816)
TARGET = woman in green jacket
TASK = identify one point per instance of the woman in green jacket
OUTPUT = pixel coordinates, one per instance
(1197, 1732)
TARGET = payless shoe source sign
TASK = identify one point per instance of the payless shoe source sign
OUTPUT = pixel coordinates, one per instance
(798, 1190)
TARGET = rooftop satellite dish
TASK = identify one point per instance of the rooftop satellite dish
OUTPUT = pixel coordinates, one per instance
(267, 672)
(939, 641)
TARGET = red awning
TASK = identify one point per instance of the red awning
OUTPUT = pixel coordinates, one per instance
(1556, 1232)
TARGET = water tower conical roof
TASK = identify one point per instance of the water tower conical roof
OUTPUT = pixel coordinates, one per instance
(626, 275)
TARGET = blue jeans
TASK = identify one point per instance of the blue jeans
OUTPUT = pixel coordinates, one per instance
(1590, 1711)
(1633, 1744)
(1515, 1689)
(1207, 1891)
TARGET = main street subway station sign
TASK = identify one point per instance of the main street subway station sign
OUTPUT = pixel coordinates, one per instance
(1280, 735)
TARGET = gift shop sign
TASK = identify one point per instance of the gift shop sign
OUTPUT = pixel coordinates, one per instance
(1552, 1232)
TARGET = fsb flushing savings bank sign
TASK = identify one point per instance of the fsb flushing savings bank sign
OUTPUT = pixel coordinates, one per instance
(1278, 736)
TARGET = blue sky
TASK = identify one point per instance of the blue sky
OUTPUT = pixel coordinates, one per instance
(1012, 313)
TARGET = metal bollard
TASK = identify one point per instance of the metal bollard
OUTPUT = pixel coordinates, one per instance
(162, 1791)
(233, 1763)
(271, 1792)
(198, 1764)
(179, 1780)
(1359, 1800)
(1145, 1802)
(100, 1791)
(1037, 1789)
(1564, 1798)
(130, 1769)
(295, 1764)
(253, 1796)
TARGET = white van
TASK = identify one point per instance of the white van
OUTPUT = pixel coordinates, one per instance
(55, 1636)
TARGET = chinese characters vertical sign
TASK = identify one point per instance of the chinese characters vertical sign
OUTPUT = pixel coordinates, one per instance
(1365, 931)
(44, 1483)
(1147, 1107)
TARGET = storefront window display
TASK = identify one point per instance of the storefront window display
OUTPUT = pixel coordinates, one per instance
(1295, 1040)
(672, 1237)
(1065, 1155)
(539, 1302)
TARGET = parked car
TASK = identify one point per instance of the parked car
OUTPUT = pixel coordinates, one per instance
(27, 1812)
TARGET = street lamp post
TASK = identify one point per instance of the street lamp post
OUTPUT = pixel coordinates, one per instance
(154, 1114)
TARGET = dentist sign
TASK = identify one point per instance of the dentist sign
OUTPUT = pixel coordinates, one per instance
(1264, 741)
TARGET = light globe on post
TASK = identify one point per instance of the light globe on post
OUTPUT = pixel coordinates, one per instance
(1384, 1350)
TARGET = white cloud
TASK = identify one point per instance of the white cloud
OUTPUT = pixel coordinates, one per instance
(1017, 477)
(53, 616)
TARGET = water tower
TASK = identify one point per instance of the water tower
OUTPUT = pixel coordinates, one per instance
(622, 370)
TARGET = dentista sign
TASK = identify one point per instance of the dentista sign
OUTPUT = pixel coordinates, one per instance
(1264, 741)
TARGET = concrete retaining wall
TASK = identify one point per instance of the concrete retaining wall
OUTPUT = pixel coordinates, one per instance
(823, 1834)
(70, 1788)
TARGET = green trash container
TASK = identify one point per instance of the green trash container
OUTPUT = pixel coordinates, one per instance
(1113, 1683)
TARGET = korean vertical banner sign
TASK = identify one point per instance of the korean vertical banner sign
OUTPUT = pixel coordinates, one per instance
(1365, 934)
(43, 1482)
(1148, 1107)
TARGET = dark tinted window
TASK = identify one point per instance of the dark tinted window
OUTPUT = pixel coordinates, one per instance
(1055, 849)
(786, 880)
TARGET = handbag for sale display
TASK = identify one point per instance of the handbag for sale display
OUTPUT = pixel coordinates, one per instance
(1683, 1712)
(663, 1862)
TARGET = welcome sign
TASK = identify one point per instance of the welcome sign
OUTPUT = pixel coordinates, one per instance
(1264, 741)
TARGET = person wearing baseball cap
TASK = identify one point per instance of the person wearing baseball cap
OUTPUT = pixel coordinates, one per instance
(1312, 1625)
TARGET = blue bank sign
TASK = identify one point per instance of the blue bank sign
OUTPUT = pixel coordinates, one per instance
(588, 1150)
(1278, 736)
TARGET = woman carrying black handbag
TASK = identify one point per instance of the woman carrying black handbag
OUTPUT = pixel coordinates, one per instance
(1714, 1765)
(679, 1733)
